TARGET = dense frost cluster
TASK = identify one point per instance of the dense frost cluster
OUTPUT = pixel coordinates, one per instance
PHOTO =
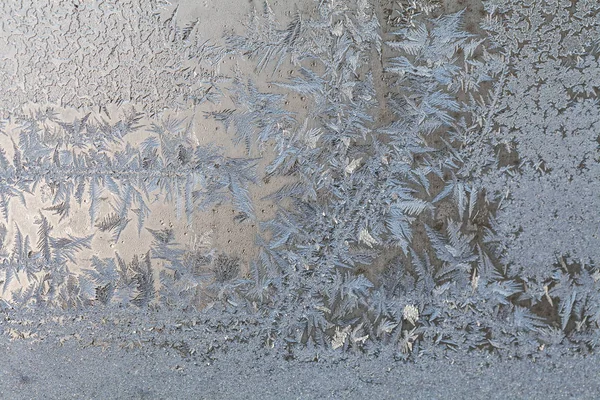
(440, 182)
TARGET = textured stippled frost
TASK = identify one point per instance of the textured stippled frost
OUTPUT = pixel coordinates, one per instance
(546, 112)
(94, 53)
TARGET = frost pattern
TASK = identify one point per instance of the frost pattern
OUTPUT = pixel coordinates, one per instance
(439, 189)
(545, 115)
(95, 53)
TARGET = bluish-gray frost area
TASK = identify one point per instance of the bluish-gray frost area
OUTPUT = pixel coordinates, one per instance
(433, 174)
